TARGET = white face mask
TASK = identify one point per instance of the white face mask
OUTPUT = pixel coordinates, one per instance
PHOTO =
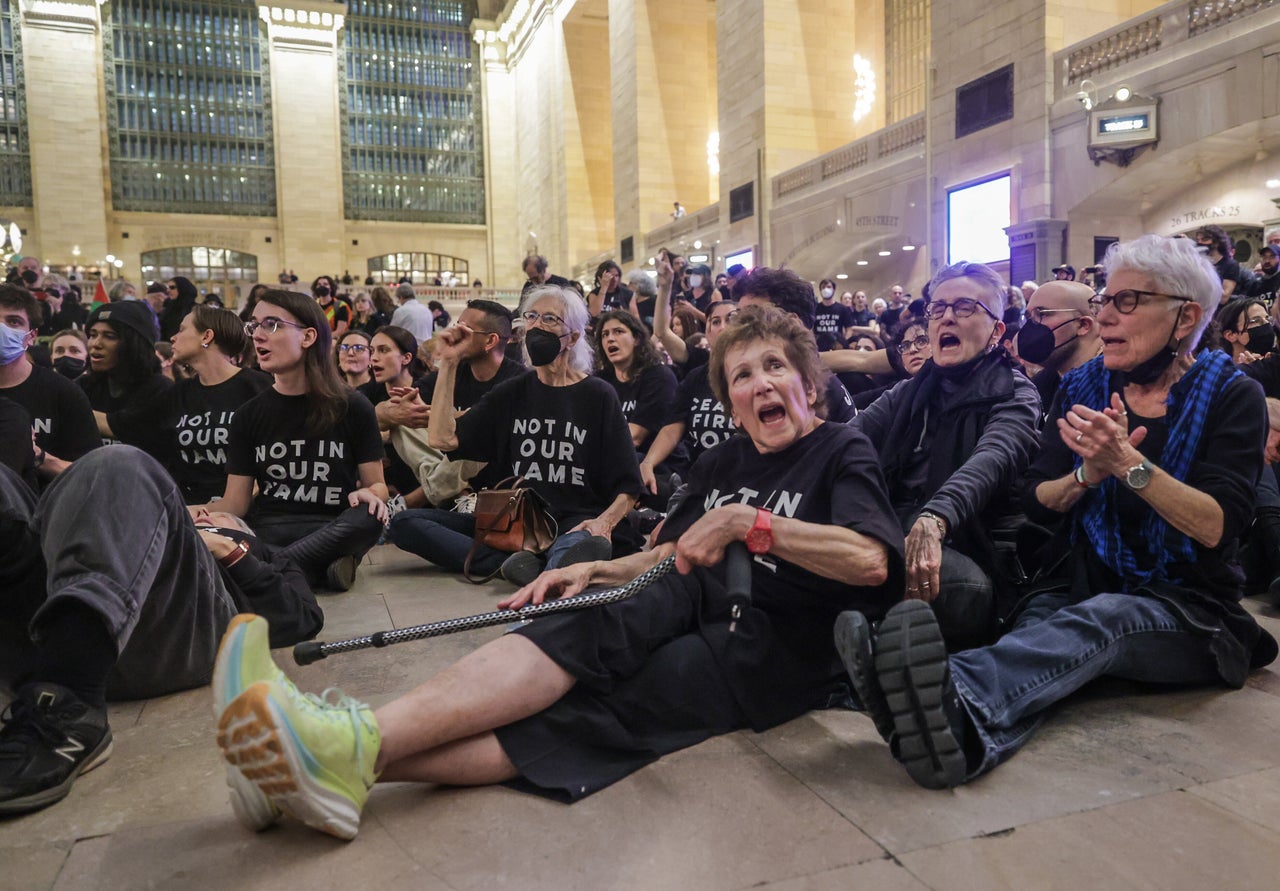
(695, 281)
(828, 293)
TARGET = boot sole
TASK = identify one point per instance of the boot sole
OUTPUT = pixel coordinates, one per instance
(911, 664)
(853, 643)
(256, 739)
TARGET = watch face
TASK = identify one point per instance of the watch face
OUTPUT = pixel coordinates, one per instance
(1137, 477)
(759, 541)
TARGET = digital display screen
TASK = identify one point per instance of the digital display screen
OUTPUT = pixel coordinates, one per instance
(1128, 123)
(745, 257)
(977, 216)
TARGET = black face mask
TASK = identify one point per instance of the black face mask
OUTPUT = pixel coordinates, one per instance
(30, 277)
(1149, 372)
(1036, 341)
(69, 366)
(322, 290)
(543, 346)
(1262, 338)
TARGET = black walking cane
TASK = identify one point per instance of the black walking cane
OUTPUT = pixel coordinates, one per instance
(737, 573)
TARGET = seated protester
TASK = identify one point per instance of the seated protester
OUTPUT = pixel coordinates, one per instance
(61, 419)
(180, 299)
(570, 704)
(556, 426)
(642, 285)
(698, 420)
(1060, 334)
(393, 363)
(365, 316)
(1152, 459)
(786, 290)
(1247, 332)
(209, 340)
(439, 315)
(629, 362)
(69, 351)
(701, 293)
(128, 394)
(309, 444)
(608, 292)
(953, 440)
(353, 357)
(908, 349)
(832, 317)
(103, 615)
(1266, 284)
(483, 364)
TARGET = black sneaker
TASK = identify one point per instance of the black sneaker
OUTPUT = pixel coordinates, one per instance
(521, 568)
(49, 738)
(929, 721)
(854, 644)
(588, 550)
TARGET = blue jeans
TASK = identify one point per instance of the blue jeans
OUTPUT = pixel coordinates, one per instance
(1058, 646)
(965, 605)
(444, 537)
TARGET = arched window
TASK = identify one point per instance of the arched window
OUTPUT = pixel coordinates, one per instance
(200, 264)
(422, 268)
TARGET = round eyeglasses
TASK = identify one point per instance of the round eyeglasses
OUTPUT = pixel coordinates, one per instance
(914, 345)
(1127, 301)
(270, 325)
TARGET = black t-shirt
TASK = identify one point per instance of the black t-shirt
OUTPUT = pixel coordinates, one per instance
(647, 399)
(571, 444)
(60, 413)
(833, 320)
(201, 421)
(467, 391)
(783, 641)
(706, 423)
(299, 474)
(15, 441)
(399, 475)
(1228, 269)
(861, 317)
(138, 414)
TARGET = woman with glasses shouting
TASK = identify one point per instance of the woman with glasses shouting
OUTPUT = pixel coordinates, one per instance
(557, 426)
(311, 446)
(1150, 464)
(354, 354)
(952, 440)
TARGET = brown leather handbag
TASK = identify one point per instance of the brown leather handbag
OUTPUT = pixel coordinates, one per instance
(510, 518)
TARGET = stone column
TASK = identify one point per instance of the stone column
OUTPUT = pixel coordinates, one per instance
(62, 58)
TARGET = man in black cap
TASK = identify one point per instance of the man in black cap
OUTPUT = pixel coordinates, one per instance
(1064, 273)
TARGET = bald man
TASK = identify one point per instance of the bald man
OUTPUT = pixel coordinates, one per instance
(1060, 334)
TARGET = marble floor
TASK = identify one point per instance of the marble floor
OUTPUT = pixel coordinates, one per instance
(1119, 790)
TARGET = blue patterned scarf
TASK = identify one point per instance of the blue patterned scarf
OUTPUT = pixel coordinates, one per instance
(1189, 402)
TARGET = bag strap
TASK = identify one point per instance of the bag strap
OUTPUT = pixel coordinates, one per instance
(466, 567)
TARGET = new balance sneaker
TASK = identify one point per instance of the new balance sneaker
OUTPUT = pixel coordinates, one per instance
(244, 658)
(928, 716)
(856, 648)
(312, 756)
(49, 737)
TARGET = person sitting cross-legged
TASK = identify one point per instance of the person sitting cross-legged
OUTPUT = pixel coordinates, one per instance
(1152, 459)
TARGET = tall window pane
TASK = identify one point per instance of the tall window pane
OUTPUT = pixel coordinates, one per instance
(188, 107)
(411, 138)
(15, 162)
(906, 44)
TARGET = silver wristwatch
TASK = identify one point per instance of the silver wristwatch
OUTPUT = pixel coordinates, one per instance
(1137, 477)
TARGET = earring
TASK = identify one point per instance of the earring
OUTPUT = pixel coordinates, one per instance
(204, 346)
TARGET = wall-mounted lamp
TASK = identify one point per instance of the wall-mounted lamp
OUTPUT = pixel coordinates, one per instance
(1087, 94)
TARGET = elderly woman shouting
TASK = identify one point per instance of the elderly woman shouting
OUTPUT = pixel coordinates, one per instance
(572, 703)
(1153, 461)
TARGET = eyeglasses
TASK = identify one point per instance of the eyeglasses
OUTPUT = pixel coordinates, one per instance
(547, 318)
(352, 347)
(270, 325)
(916, 344)
(962, 308)
(1127, 301)
(1037, 315)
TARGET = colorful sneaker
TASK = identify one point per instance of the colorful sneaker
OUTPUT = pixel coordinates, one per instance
(244, 658)
(312, 755)
(929, 718)
(49, 737)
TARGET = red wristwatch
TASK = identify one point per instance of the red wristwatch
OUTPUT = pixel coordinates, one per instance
(760, 535)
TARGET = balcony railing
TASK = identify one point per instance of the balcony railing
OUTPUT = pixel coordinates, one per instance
(705, 219)
(1160, 29)
(900, 137)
